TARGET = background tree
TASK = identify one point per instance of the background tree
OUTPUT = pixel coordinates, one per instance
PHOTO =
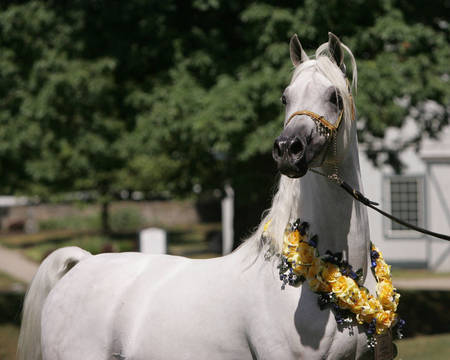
(164, 96)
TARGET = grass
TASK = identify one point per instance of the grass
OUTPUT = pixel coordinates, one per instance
(8, 283)
(432, 347)
(73, 222)
(26, 240)
(93, 243)
(190, 241)
(8, 341)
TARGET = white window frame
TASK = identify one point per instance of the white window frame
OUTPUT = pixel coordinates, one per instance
(404, 233)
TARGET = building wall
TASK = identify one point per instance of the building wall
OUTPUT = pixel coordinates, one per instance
(438, 201)
(413, 249)
(410, 250)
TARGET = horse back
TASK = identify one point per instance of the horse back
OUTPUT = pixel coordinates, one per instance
(133, 305)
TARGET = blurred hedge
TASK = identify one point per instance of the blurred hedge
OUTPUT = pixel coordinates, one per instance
(425, 312)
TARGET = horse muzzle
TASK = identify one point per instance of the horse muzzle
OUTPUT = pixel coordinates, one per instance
(298, 148)
(289, 154)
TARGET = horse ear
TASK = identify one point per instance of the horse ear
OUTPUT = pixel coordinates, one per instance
(336, 50)
(298, 55)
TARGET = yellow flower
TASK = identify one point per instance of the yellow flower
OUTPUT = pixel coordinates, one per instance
(293, 238)
(344, 287)
(385, 292)
(383, 271)
(318, 286)
(384, 288)
(326, 277)
(374, 305)
(306, 253)
(266, 225)
(314, 284)
(340, 286)
(330, 272)
(362, 307)
(290, 244)
(384, 321)
(290, 253)
(354, 297)
(300, 270)
(314, 269)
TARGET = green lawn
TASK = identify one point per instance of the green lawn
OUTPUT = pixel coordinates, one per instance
(190, 241)
(431, 347)
(8, 283)
(92, 243)
(8, 341)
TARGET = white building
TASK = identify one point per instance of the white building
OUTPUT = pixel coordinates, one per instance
(420, 195)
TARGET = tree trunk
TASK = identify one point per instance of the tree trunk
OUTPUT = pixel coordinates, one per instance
(105, 217)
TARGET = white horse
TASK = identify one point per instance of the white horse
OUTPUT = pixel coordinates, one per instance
(137, 306)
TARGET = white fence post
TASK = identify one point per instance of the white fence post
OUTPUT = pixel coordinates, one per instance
(153, 241)
(227, 220)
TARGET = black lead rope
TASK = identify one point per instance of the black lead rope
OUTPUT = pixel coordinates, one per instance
(361, 198)
(373, 205)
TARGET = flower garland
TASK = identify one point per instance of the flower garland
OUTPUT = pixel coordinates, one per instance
(337, 283)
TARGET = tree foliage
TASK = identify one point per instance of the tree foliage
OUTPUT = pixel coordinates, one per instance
(161, 96)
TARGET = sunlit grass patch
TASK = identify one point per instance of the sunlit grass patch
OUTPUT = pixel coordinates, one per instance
(9, 334)
(95, 244)
(431, 347)
(8, 283)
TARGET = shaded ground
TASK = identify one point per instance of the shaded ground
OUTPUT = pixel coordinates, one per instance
(420, 279)
(17, 265)
(20, 253)
(432, 283)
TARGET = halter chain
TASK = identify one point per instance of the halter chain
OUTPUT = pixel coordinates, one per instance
(325, 127)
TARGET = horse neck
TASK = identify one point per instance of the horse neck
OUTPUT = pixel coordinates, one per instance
(339, 221)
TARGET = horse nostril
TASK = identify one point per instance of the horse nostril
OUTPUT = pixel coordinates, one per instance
(296, 147)
(277, 151)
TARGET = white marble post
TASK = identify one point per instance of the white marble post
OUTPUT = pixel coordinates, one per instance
(227, 220)
(153, 241)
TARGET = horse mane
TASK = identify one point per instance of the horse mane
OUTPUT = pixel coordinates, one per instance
(287, 197)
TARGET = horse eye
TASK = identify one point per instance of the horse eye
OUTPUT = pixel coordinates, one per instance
(283, 100)
(336, 100)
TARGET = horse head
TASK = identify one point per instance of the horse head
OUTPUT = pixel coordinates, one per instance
(318, 105)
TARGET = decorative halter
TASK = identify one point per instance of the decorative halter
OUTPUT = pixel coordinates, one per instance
(323, 125)
(327, 129)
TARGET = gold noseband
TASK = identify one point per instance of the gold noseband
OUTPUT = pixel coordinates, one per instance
(325, 127)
